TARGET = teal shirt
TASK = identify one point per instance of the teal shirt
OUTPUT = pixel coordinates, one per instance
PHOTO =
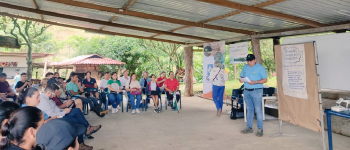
(72, 86)
(254, 73)
(45, 115)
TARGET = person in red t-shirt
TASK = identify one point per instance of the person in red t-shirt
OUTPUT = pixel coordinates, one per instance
(160, 82)
(171, 85)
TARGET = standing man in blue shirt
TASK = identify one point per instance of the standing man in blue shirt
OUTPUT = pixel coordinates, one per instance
(253, 93)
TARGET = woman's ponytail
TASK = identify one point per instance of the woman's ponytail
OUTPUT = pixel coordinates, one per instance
(5, 131)
(27, 92)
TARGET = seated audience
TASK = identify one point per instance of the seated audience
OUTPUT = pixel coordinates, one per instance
(5, 89)
(135, 93)
(144, 81)
(30, 97)
(90, 82)
(6, 109)
(123, 81)
(76, 103)
(153, 90)
(160, 81)
(23, 83)
(75, 90)
(56, 74)
(74, 115)
(61, 135)
(114, 92)
(103, 82)
(171, 86)
(19, 131)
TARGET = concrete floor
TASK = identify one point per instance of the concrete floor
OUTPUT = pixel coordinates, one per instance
(197, 127)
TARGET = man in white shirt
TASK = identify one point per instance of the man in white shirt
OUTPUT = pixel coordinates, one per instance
(125, 79)
(74, 115)
(103, 83)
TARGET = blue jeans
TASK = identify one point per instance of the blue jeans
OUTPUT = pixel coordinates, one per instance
(115, 99)
(75, 116)
(132, 100)
(218, 96)
(253, 102)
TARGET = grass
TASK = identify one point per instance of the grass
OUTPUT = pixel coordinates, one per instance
(230, 85)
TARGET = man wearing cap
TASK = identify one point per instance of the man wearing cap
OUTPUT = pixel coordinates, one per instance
(253, 93)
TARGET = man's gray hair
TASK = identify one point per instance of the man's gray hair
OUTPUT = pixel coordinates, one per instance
(144, 72)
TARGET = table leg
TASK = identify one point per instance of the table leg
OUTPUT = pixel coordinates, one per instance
(329, 128)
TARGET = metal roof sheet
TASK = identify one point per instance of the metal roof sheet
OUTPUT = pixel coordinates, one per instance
(87, 59)
(189, 10)
(128, 31)
(24, 3)
(73, 22)
(249, 2)
(74, 11)
(19, 12)
(323, 11)
(246, 20)
(208, 33)
(107, 3)
(146, 23)
(179, 39)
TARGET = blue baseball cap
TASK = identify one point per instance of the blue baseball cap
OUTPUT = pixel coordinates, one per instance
(58, 134)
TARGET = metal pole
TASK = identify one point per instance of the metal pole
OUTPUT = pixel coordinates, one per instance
(319, 97)
(329, 126)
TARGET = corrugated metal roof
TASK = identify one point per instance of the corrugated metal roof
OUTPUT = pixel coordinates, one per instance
(246, 20)
(19, 12)
(146, 23)
(87, 59)
(249, 2)
(74, 11)
(208, 33)
(128, 31)
(323, 11)
(179, 39)
(73, 22)
(108, 3)
(24, 3)
(190, 10)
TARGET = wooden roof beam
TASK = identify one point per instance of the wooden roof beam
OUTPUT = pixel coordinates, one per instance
(37, 7)
(103, 22)
(127, 5)
(150, 16)
(88, 29)
(264, 12)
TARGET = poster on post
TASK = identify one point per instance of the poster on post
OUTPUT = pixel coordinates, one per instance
(293, 71)
(210, 49)
(238, 52)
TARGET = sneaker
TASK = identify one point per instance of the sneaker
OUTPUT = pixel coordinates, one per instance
(156, 110)
(83, 146)
(137, 111)
(116, 110)
(247, 130)
(133, 111)
(260, 133)
(113, 110)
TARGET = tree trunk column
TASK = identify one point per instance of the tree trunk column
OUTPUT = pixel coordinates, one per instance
(29, 63)
(256, 50)
(188, 71)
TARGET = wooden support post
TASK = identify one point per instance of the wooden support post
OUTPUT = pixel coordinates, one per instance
(75, 68)
(45, 66)
(256, 50)
(276, 41)
(188, 71)
(119, 67)
(235, 71)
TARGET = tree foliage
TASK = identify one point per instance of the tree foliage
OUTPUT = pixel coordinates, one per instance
(26, 32)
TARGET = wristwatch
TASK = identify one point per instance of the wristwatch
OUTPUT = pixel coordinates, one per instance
(256, 82)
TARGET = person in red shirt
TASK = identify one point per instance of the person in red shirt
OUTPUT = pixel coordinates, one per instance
(160, 82)
(171, 86)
